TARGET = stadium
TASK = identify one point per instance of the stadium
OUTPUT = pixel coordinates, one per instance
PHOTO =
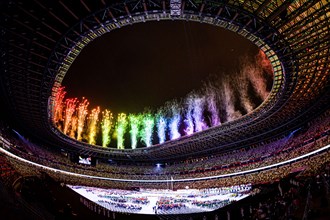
(205, 157)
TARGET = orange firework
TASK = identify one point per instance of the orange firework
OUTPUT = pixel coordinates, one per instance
(93, 125)
(58, 105)
(70, 106)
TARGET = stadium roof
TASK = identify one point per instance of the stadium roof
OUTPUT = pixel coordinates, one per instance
(40, 39)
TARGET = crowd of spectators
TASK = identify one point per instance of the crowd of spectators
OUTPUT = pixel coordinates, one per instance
(8, 174)
(310, 166)
(298, 142)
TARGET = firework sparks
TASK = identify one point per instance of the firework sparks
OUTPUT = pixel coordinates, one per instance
(148, 122)
(198, 113)
(135, 123)
(161, 128)
(106, 125)
(93, 125)
(73, 130)
(121, 129)
(70, 105)
(175, 121)
(58, 105)
(226, 96)
(82, 112)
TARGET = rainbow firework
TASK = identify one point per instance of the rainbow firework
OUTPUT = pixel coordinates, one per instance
(223, 97)
(135, 123)
(82, 112)
(93, 128)
(70, 105)
(148, 122)
(121, 129)
(106, 125)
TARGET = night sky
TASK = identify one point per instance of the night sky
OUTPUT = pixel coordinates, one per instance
(147, 64)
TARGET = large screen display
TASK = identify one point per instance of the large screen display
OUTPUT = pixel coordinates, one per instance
(85, 160)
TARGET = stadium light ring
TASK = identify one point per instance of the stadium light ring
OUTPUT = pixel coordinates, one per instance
(65, 59)
(255, 170)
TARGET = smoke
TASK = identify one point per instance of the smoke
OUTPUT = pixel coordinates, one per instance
(198, 111)
(264, 63)
(70, 105)
(189, 122)
(242, 85)
(256, 77)
(228, 101)
(211, 96)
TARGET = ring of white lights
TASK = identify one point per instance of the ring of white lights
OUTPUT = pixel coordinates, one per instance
(89, 36)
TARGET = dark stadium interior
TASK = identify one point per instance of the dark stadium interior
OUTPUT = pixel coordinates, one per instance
(164, 61)
(133, 56)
